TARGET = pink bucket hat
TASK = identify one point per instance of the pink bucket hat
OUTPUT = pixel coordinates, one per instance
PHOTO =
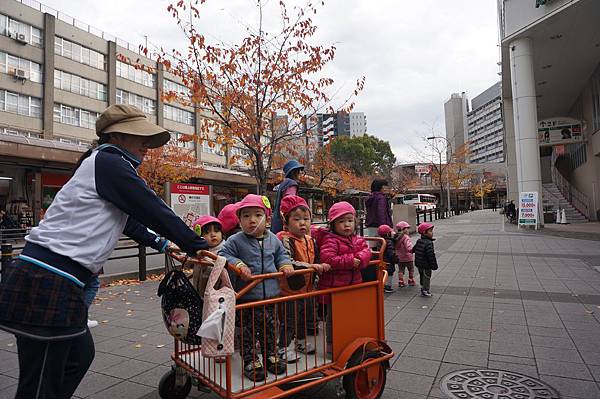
(340, 209)
(384, 230)
(423, 227)
(203, 221)
(291, 202)
(228, 218)
(402, 225)
(254, 201)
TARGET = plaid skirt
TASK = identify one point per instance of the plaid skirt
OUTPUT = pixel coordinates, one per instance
(40, 304)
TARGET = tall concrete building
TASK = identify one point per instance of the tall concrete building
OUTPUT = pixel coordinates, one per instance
(56, 75)
(455, 116)
(550, 53)
(358, 124)
(485, 131)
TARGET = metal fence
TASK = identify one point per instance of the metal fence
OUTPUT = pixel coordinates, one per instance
(13, 241)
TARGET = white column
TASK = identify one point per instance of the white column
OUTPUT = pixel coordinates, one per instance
(525, 117)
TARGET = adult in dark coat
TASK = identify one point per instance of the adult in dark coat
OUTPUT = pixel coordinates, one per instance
(289, 186)
(379, 211)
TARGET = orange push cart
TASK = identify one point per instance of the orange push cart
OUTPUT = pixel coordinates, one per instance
(356, 355)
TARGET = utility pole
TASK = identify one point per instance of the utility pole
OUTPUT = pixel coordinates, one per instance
(447, 170)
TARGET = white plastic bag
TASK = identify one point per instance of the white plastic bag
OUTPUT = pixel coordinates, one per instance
(214, 325)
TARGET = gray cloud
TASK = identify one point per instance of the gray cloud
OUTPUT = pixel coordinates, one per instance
(414, 54)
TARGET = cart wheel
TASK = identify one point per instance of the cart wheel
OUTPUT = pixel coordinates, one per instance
(367, 383)
(167, 388)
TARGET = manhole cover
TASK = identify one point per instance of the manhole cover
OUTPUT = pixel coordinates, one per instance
(495, 384)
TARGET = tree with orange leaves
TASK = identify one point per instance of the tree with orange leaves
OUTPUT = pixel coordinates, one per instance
(169, 163)
(326, 172)
(245, 88)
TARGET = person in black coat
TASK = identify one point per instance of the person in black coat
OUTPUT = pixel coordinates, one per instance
(425, 259)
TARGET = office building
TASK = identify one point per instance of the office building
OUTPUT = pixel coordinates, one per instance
(485, 131)
(358, 124)
(550, 57)
(455, 117)
(57, 74)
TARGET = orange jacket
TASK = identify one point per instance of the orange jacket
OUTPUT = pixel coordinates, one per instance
(302, 252)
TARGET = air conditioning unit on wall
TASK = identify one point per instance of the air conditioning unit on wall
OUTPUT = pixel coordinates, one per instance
(20, 37)
(20, 74)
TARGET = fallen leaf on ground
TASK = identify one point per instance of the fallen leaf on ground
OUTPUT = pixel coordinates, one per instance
(424, 307)
(159, 346)
(144, 335)
(138, 345)
(11, 344)
(104, 321)
(127, 303)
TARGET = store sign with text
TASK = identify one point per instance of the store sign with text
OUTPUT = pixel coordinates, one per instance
(528, 208)
(422, 169)
(556, 131)
(189, 201)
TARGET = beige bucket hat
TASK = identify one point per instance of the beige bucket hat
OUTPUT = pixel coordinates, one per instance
(127, 119)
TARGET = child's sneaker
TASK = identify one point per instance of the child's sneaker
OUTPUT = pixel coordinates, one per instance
(411, 282)
(275, 365)
(388, 289)
(288, 355)
(401, 283)
(305, 347)
(426, 293)
(254, 371)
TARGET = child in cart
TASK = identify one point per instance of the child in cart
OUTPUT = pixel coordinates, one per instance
(230, 224)
(344, 250)
(299, 319)
(209, 228)
(404, 253)
(389, 257)
(255, 250)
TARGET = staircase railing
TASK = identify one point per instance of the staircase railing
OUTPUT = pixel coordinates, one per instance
(579, 200)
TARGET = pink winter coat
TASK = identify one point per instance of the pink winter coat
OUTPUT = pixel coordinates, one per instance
(404, 249)
(339, 252)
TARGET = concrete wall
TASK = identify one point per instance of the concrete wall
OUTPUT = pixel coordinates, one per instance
(519, 14)
(408, 213)
(586, 178)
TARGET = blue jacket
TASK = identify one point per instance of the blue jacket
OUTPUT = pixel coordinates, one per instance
(262, 256)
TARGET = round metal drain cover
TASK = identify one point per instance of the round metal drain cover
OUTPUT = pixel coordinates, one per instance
(494, 384)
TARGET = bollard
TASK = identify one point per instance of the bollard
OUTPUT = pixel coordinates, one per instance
(6, 255)
(142, 262)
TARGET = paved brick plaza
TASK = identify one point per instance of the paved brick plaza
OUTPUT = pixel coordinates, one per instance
(514, 300)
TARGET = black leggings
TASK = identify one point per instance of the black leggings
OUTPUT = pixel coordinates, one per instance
(53, 369)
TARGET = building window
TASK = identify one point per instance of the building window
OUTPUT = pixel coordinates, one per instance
(78, 53)
(596, 99)
(20, 133)
(130, 72)
(20, 104)
(145, 104)
(178, 115)
(78, 85)
(169, 85)
(577, 154)
(210, 147)
(75, 116)
(20, 31)
(182, 140)
(17, 66)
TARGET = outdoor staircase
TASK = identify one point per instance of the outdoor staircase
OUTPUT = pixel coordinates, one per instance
(553, 199)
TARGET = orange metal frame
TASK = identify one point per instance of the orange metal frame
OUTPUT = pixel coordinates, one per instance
(362, 302)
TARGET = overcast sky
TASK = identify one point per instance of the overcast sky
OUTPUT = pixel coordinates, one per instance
(414, 54)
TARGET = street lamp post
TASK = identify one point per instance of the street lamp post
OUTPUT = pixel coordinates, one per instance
(447, 164)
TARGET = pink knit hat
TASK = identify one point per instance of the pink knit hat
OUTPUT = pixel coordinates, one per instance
(384, 230)
(254, 201)
(203, 221)
(423, 227)
(228, 218)
(402, 225)
(340, 209)
(291, 202)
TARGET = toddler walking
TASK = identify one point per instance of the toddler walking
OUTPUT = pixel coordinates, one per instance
(404, 253)
(425, 257)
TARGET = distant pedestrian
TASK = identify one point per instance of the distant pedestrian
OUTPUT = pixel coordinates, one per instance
(425, 257)
(289, 186)
(379, 210)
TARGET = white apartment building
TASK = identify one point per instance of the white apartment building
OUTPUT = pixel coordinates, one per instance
(485, 130)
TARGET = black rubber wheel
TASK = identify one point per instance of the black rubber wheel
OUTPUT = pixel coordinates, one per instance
(357, 384)
(168, 390)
